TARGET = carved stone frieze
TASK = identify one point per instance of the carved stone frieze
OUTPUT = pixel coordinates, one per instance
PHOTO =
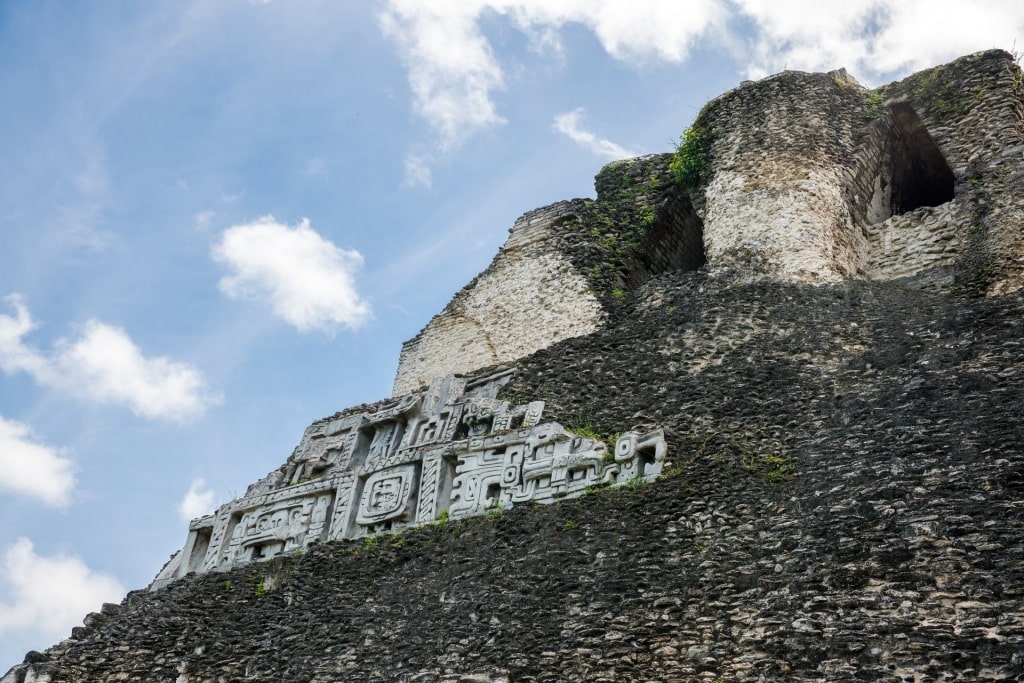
(449, 450)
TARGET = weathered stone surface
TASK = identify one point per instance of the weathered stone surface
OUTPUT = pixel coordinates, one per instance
(529, 298)
(845, 503)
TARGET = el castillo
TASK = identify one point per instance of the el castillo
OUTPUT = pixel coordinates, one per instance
(755, 413)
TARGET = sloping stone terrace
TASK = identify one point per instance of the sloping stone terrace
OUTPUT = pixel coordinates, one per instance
(848, 506)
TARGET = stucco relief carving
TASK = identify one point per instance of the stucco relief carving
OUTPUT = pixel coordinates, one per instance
(403, 461)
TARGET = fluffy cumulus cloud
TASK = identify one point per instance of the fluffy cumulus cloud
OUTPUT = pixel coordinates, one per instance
(49, 595)
(305, 279)
(33, 469)
(198, 501)
(569, 124)
(103, 364)
(454, 72)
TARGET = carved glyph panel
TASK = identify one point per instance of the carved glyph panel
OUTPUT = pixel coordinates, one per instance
(444, 451)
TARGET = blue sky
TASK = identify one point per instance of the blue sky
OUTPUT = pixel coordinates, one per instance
(219, 220)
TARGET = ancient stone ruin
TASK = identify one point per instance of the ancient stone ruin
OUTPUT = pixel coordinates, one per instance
(816, 349)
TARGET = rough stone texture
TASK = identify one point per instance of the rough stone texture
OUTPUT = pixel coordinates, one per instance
(563, 269)
(804, 168)
(527, 299)
(921, 243)
(777, 186)
(973, 109)
(845, 503)
(844, 494)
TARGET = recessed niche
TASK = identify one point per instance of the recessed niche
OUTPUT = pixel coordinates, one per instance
(675, 241)
(921, 176)
(912, 173)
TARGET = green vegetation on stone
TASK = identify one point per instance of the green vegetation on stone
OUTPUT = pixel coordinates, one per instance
(690, 161)
(873, 105)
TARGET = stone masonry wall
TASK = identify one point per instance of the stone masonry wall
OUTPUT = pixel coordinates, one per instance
(777, 188)
(805, 167)
(921, 244)
(527, 299)
(974, 110)
(562, 271)
(844, 493)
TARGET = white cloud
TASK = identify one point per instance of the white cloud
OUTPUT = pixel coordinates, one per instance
(104, 365)
(454, 72)
(452, 69)
(876, 38)
(30, 468)
(198, 501)
(203, 219)
(568, 124)
(49, 595)
(417, 172)
(304, 278)
(316, 167)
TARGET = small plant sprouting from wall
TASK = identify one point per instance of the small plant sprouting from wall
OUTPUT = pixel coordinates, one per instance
(772, 466)
(1016, 74)
(873, 105)
(690, 161)
(584, 427)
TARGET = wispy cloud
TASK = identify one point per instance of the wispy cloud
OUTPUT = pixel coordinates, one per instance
(304, 278)
(568, 124)
(198, 501)
(452, 69)
(30, 468)
(204, 219)
(417, 172)
(49, 595)
(454, 72)
(315, 167)
(104, 365)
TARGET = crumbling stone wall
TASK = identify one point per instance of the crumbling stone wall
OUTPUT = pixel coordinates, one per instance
(527, 299)
(640, 225)
(777, 194)
(562, 271)
(812, 177)
(845, 490)
(805, 169)
(972, 110)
